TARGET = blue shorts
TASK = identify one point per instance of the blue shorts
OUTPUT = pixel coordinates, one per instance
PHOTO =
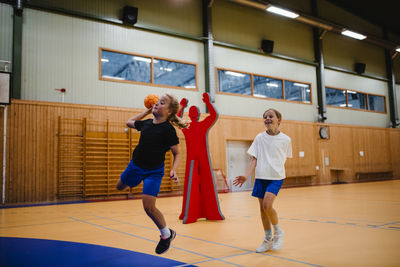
(262, 186)
(133, 175)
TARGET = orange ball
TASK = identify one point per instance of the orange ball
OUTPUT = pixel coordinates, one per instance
(150, 100)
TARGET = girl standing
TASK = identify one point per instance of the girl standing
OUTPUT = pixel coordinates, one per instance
(268, 152)
(147, 164)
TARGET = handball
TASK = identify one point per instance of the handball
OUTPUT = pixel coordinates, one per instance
(150, 100)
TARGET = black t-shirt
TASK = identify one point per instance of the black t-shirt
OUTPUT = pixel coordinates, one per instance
(155, 140)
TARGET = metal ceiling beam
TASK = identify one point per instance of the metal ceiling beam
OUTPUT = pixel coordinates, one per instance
(323, 24)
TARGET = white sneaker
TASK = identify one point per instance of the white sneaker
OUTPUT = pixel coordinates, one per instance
(265, 246)
(277, 241)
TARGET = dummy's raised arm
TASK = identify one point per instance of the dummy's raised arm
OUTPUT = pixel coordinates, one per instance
(183, 105)
(211, 109)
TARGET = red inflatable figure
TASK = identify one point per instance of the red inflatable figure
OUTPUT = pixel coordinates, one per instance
(200, 197)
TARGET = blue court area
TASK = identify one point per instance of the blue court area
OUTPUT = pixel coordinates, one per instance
(41, 252)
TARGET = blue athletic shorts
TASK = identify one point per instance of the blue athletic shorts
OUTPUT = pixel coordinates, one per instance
(133, 175)
(262, 186)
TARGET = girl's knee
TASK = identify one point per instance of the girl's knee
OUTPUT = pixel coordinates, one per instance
(267, 207)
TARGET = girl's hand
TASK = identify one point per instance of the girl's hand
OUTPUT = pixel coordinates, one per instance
(149, 110)
(239, 181)
(174, 177)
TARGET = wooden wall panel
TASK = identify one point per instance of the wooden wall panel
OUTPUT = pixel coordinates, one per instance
(32, 147)
(1, 151)
(394, 143)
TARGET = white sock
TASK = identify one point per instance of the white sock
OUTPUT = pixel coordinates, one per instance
(268, 234)
(165, 232)
(276, 228)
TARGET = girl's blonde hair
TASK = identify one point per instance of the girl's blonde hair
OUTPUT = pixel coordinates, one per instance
(174, 107)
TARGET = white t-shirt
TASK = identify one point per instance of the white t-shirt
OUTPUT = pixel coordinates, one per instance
(271, 152)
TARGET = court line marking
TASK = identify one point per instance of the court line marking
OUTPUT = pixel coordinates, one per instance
(198, 262)
(212, 242)
(150, 240)
(243, 214)
(370, 226)
(398, 222)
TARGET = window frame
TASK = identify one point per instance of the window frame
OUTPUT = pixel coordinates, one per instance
(252, 86)
(241, 72)
(294, 101)
(357, 109)
(151, 70)
(384, 101)
(339, 89)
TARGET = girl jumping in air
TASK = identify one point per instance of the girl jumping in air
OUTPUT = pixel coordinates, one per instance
(268, 152)
(147, 164)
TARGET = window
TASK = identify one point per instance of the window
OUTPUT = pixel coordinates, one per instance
(267, 87)
(174, 73)
(249, 84)
(356, 100)
(295, 91)
(376, 103)
(120, 66)
(335, 97)
(234, 82)
(352, 99)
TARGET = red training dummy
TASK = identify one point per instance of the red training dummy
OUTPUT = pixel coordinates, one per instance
(200, 197)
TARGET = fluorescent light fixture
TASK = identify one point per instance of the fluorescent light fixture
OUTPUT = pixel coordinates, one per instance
(272, 85)
(144, 59)
(301, 85)
(398, 49)
(351, 92)
(258, 95)
(190, 86)
(234, 74)
(354, 35)
(282, 12)
(113, 77)
(105, 60)
(342, 105)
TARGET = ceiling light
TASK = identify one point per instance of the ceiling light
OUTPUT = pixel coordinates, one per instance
(398, 49)
(144, 59)
(234, 74)
(272, 85)
(355, 35)
(301, 85)
(166, 69)
(282, 12)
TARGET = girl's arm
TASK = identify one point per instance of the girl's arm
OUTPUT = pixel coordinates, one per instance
(240, 180)
(131, 121)
(175, 164)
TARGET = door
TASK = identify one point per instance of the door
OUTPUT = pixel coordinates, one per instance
(238, 161)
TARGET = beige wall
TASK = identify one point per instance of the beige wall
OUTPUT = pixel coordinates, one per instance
(6, 22)
(62, 51)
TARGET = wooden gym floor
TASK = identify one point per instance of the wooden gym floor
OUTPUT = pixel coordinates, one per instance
(333, 225)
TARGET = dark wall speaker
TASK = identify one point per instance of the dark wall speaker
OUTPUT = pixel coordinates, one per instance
(267, 46)
(359, 67)
(130, 15)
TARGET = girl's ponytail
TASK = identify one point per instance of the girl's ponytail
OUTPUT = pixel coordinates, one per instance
(174, 107)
